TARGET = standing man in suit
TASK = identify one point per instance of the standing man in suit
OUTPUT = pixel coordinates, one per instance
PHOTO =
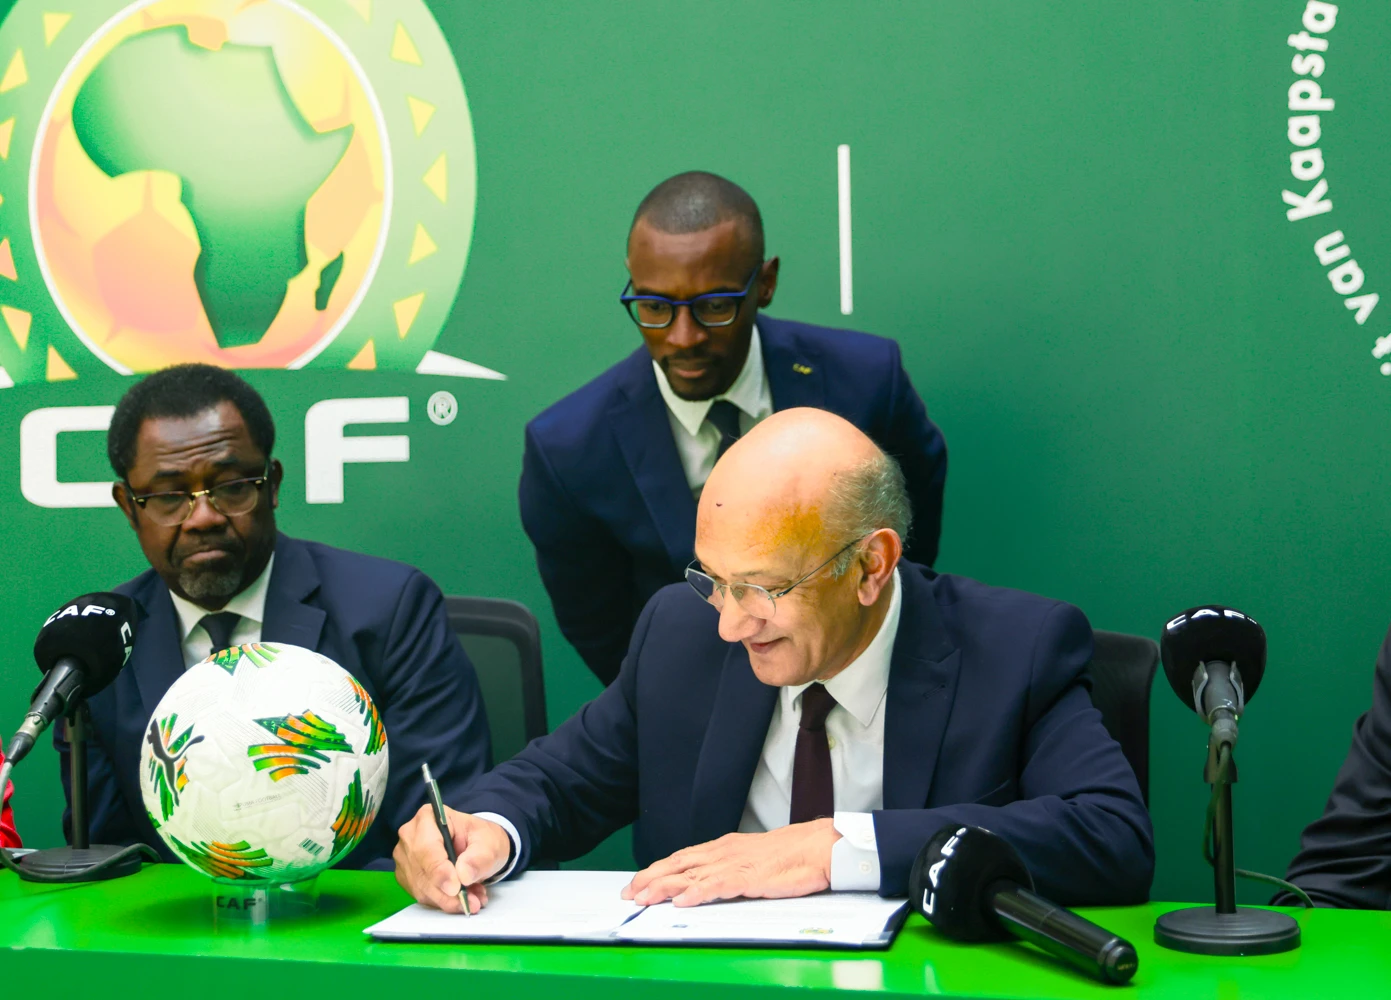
(807, 711)
(192, 447)
(612, 473)
(1345, 854)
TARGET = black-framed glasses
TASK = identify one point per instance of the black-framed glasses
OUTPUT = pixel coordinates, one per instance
(714, 309)
(236, 496)
(751, 598)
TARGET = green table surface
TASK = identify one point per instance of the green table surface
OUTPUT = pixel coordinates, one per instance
(153, 935)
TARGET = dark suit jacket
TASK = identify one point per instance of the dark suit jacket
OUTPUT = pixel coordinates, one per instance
(1345, 854)
(605, 500)
(989, 722)
(383, 622)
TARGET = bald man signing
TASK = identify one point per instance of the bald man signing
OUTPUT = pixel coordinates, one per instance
(807, 710)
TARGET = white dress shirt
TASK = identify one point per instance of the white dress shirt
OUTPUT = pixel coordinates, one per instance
(855, 732)
(250, 604)
(697, 442)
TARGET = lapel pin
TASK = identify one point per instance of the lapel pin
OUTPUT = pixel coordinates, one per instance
(802, 369)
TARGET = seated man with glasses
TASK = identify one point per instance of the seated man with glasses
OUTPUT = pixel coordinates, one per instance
(810, 710)
(192, 447)
(612, 473)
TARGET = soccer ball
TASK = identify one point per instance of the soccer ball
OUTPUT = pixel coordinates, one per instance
(264, 763)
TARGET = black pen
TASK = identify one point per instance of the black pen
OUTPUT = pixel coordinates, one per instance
(443, 824)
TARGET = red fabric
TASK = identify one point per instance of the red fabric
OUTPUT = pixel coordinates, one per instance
(8, 836)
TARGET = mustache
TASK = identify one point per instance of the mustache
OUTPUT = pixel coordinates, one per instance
(231, 545)
(679, 359)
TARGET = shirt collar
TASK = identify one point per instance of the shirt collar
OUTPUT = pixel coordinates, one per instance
(861, 687)
(250, 603)
(749, 392)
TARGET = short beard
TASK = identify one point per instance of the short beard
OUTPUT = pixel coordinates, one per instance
(210, 586)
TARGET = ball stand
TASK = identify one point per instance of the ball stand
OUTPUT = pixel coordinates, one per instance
(238, 908)
(1225, 929)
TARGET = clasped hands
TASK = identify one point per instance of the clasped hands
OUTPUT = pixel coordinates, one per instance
(791, 861)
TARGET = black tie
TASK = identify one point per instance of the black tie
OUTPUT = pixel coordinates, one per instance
(813, 792)
(220, 628)
(724, 417)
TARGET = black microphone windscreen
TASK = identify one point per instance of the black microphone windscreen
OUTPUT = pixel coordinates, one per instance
(951, 877)
(97, 630)
(1212, 632)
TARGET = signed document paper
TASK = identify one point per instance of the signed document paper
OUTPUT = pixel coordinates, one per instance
(586, 908)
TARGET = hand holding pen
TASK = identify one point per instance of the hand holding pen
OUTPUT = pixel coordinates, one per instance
(442, 821)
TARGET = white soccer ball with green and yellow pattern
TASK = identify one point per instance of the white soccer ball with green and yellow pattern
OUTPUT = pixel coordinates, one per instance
(264, 763)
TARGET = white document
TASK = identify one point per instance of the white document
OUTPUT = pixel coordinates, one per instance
(538, 906)
(586, 908)
(828, 919)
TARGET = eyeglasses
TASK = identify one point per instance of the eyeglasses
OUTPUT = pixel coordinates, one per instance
(751, 598)
(714, 309)
(237, 496)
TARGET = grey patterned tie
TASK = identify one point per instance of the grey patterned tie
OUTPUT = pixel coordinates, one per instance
(724, 417)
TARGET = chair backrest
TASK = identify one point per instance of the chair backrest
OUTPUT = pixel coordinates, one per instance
(1122, 670)
(503, 640)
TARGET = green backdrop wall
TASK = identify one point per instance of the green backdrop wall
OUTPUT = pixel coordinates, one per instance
(1069, 214)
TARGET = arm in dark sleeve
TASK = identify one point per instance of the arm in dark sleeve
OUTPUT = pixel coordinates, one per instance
(1345, 854)
(921, 451)
(1079, 821)
(569, 790)
(110, 819)
(587, 573)
(430, 703)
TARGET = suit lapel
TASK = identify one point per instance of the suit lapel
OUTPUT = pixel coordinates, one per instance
(922, 686)
(157, 660)
(796, 376)
(643, 430)
(293, 578)
(733, 743)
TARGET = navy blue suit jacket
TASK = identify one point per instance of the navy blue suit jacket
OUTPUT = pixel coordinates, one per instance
(1345, 854)
(604, 497)
(382, 621)
(989, 722)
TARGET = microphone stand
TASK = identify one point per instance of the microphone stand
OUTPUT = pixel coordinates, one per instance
(82, 861)
(1225, 929)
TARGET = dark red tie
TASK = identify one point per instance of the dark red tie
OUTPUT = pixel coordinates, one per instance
(813, 793)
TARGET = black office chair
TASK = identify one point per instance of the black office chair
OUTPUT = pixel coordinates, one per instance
(503, 640)
(1122, 672)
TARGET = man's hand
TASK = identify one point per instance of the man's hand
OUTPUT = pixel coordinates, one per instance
(423, 868)
(792, 861)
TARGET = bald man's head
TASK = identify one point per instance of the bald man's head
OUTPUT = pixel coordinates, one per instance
(800, 474)
(802, 491)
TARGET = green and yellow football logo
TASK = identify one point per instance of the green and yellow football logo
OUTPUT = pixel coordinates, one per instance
(249, 183)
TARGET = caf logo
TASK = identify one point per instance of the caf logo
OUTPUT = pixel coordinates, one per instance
(249, 183)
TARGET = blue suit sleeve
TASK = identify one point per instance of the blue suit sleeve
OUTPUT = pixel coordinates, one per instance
(1345, 854)
(569, 790)
(587, 573)
(431, 704)
(110, 820)
(921, 451)
(1078, 820)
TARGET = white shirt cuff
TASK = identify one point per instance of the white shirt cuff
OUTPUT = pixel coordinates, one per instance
(855, 856)
(506, 824)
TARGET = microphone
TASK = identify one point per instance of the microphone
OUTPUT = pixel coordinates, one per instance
(972, 886)
(80, 649)
(1214, 657)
